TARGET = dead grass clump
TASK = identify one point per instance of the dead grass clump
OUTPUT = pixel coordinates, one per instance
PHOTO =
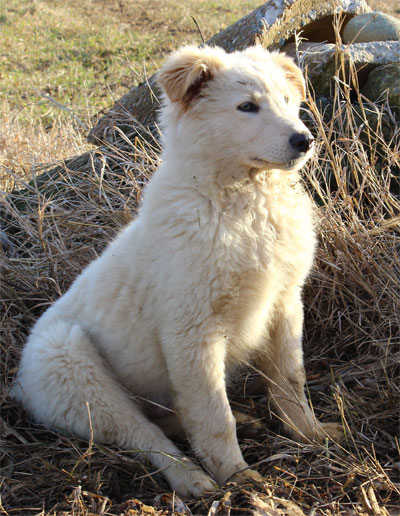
(26, 143)
(59, 222)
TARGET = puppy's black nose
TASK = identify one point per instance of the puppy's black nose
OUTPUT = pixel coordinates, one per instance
(301, 141)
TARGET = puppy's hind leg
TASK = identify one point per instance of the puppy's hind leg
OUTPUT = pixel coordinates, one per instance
(63, 381)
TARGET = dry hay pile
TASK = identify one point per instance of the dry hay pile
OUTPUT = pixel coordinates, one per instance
(53, 229)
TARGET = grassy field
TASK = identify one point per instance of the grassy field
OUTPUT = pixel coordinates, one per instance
(63, 62)
(84, 55)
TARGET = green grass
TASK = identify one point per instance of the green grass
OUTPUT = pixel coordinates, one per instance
(86, 54)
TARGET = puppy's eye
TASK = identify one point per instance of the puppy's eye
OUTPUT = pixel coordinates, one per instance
(249, 107)
(286, 99)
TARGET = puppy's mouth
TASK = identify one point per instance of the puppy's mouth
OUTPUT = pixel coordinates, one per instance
(263, 164)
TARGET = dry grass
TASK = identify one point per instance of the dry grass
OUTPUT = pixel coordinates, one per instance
(54, 226)
(25, 146)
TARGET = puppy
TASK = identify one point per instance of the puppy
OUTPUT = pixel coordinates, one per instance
(207, 277)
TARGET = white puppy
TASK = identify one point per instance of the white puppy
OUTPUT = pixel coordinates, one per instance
(208, 276)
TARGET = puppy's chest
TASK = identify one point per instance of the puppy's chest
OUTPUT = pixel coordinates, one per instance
(272, 230)
(272, 254)
(294, 243)
(246, 310)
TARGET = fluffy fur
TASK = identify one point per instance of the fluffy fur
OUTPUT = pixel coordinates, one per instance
(208, 276)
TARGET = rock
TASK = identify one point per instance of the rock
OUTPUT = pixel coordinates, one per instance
(271, 25)
(384, 83)
(320, 60)
(372, 27)
(276, 21)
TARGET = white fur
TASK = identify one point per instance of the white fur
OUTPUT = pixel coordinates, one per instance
(207, 276)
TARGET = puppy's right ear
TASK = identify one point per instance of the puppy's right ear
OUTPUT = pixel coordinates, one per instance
(186, 72)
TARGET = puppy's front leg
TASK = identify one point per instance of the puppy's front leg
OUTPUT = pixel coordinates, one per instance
(197, 373)
(283, 366)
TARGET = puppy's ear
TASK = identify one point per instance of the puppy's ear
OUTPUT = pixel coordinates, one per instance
(293, 73)
(186, 71)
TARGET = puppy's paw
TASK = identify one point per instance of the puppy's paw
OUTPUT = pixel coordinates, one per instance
(316, 431)
(333, 431)
(246, 426)
(190, 481)
(247, 475)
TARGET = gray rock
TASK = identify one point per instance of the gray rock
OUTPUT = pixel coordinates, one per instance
(372, 27)
(276, 21)
(321, 60)
(384, 83)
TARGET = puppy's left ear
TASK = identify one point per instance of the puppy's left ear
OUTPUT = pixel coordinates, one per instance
(186, 72)
(293, 73)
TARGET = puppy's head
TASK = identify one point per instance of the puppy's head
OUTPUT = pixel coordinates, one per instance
(243, 107)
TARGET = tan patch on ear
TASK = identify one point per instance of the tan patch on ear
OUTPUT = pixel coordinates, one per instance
(293, 73)
(187, 70)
